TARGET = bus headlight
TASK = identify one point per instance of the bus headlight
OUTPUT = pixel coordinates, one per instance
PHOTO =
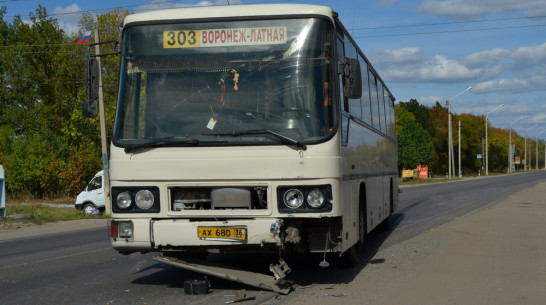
(315, 198)
(135, 199)
(293, 198)
(123, 200)
(144, 199)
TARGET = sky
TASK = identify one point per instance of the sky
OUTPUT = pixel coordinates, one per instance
(428, 50)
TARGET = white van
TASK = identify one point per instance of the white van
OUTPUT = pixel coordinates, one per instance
(92, 196)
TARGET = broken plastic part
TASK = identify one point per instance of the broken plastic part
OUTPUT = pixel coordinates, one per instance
(280, 270)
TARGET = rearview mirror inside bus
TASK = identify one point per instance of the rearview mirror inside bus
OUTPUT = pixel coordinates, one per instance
(352, 78)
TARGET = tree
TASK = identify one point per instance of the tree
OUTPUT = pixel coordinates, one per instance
(421, 114)
(414, 142)
(39, 80)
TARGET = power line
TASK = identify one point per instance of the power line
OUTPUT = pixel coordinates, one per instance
(6, 1)
(137, 5)
(38, 45)
(450, 31)
(354, 29)
(445, 23)
(365, 36)
(108, 8)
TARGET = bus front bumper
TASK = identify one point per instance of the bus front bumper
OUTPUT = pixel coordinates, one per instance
(145, 235)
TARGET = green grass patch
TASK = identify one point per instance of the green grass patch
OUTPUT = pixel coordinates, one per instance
(20, 214)
(415, 181)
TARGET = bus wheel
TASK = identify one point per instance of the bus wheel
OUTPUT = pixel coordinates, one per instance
(351, 257)
(362, 226)
(387, 223)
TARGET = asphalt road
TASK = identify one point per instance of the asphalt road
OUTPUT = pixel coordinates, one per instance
(79, 267)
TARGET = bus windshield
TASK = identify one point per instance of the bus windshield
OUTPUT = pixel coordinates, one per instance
(226, 83)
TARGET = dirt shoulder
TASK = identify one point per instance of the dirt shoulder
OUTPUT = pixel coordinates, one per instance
(492, 256)
(27, 230)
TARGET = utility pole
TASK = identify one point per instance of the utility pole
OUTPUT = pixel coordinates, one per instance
(102, 117)
(451, 157)
(460, 172)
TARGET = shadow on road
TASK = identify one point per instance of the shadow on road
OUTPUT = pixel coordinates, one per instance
(305, 268)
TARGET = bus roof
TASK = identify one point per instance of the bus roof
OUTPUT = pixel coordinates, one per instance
(223, 11)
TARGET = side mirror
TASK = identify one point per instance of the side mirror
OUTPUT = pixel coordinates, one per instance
(92, 85)
(352, 78)
(89, 109)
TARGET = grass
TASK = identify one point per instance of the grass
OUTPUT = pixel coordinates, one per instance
(407, 181)
(437, 179)
(40, 213)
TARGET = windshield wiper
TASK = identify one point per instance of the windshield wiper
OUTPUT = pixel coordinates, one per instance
(163, 142)
(284, 139)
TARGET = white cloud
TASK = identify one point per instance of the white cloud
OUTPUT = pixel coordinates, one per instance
(74, 8)
(494, 70)
(450, 8)
(218, 2)
(501, 85)
(440, 68)
(386, 2)
(525, 71)
(530, 55)
(68, 18)
(474, 8)
(486, 58)
(532, 83)
(161, 4)
(431, 100)
(404, 55)
(409, 65)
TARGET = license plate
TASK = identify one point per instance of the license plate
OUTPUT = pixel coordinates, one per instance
(222, 233)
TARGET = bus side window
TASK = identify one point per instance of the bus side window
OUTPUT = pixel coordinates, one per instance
(390, 107)
(365, 99)
(373, 100)
(381, 105)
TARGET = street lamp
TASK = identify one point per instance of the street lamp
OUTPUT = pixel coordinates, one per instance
(486, 145)
(453, 161)
(525, 155)
(510, 157)
(537, 147)
(450, 137)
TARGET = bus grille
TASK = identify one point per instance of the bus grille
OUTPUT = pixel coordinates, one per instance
(218, 198)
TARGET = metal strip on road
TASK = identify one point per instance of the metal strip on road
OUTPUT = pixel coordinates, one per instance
(259, 280)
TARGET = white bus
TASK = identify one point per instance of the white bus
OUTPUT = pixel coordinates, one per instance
(249, 129)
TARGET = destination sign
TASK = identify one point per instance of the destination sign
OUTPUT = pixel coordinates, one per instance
(223, 37)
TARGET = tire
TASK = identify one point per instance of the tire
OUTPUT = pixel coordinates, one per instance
(387, 224)
(88, 209)
(351, 257)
